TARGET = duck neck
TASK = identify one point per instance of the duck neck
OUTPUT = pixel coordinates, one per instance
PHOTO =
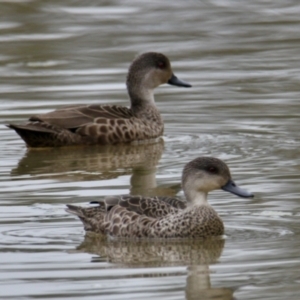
(143, 106)
(197, 198)
(140, 97)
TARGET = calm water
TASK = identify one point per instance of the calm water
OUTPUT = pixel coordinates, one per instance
(243, 60)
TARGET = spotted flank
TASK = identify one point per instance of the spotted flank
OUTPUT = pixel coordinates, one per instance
(104, 124)
(164, 217)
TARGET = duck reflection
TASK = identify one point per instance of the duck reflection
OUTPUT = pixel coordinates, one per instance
(196, 254)
(198, 285)
(98, 163)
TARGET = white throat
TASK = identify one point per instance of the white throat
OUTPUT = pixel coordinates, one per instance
(197, 198)
(142, 96)
(147, 95)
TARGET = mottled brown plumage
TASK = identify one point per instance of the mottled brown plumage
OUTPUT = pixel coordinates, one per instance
(103, 124)
(163, 217)
(161, 252)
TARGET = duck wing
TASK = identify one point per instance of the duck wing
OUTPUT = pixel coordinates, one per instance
(126, 216)
(74, 117)
(75, 125)
(154, 207)
(174, 202)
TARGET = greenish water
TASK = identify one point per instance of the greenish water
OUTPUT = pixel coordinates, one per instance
(243, 61)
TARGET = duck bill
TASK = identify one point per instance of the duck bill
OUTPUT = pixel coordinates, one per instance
(176, 81)
(231, 187)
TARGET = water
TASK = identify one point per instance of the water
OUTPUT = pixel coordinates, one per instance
(243, 61)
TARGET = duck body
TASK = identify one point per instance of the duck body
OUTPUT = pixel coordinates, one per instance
(167, 221)
(104, 124)
(90, 125)
(163, 217)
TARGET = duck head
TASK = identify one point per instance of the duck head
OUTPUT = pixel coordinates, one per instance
(205, 174)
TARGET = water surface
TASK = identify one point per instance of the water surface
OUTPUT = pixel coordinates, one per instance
(242, 59)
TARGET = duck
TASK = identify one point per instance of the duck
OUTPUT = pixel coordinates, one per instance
(107, 124)
(165, 217)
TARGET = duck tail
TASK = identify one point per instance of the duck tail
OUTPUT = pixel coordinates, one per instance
(75, 210)
(91, 217)
(34, 134)
(42, 134)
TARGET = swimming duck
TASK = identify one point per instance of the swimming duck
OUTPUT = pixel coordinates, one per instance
(104, 124)
(163, 217)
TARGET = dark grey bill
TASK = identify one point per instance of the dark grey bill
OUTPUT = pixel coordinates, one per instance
(176, 81)
(231, 187)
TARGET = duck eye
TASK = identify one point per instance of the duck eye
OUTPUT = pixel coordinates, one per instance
(212, 169)
(161, 64)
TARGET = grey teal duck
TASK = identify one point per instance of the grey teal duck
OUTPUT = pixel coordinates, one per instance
(104, 124)
(163, 217)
